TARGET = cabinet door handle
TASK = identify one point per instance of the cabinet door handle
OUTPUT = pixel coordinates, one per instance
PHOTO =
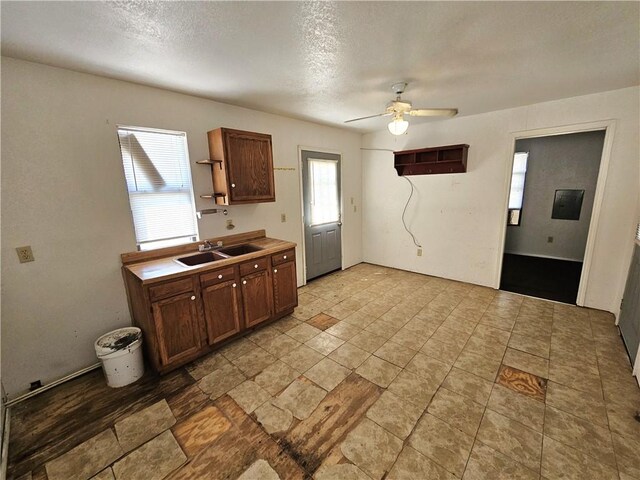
(275, 270)
(284, 257)
(220, 277)
(244, 282)
(233, 185)
(193, 297)
(255, 266)
(234, 285)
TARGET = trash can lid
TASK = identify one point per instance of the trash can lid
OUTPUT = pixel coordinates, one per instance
(117, 340)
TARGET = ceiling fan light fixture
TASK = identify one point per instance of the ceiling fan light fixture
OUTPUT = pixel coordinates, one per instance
(398, 125)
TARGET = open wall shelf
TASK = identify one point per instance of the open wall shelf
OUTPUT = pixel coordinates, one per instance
(431, 161)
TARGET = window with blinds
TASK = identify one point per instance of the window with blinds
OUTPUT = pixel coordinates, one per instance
(516, 194)
(156, 168)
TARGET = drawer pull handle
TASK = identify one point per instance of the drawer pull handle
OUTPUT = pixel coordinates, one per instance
(244, 282)
(255, 266)
(275, 270)
(234, 285)
(220, 276)
(284, 257)
(193, 297)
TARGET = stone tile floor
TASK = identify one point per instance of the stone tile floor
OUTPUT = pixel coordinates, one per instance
(381, 373)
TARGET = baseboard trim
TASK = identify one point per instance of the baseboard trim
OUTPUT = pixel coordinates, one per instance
(55, 383)
(551, 257)
(4, 462)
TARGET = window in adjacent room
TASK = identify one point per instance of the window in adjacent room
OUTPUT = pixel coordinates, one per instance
(517, 187)
(156, 168)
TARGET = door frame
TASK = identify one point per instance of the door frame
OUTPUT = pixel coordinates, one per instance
(302, 148)
(609, 127)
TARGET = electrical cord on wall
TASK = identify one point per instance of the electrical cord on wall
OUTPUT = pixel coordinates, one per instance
(408, 200)
(405, 211)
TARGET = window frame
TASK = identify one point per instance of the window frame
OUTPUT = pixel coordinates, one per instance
(514, 215)
(162, 242)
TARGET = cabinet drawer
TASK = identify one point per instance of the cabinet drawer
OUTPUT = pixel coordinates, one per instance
(282, 257)
(257, 265)
(217, 276)
(169, 289)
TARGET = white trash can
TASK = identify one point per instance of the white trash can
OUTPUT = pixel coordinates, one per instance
(121, 356)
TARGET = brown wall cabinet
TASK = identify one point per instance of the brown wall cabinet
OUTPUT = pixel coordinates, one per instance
(184, 318)
(431, 161)
(241, 167)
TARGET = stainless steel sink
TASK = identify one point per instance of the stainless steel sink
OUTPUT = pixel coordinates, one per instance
(200, 258)
(236, 250)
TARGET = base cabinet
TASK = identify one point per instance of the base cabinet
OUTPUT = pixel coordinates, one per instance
(222, 311)
(177, 328)
(185, 317)
(285, 295)
(256, 298)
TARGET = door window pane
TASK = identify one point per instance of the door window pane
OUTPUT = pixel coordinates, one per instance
(323, 188)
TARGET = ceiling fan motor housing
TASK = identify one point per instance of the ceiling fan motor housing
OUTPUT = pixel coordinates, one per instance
(398, 106)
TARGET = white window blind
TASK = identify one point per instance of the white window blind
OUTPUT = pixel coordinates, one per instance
(323, 179)
(156, 168)
(517, 180)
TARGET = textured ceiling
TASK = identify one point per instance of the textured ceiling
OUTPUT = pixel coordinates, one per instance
(331, 61)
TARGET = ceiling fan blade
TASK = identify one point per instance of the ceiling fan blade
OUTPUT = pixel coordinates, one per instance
(433, 112)
(385, 114)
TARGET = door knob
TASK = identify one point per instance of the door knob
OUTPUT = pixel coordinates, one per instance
(193, 297)
(234, 285)
(255, 266)
(275, 270)
(284, 257)
(220, 276)
(244, 282)
(233, 185)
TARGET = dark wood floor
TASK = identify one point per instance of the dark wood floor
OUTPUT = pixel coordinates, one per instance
(57, 420)
(541, 277)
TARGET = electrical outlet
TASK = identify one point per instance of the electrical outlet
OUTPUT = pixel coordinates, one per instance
(419, 252)
(549, 239)
(25, 254)
(283, 217)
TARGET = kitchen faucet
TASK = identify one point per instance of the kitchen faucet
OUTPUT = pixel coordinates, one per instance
(207, 245)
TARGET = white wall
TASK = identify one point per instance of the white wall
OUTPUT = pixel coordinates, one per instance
(459, 218)
(63, 193)
(556, 162)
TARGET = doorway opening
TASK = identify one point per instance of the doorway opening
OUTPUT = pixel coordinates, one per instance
(551, 200)
(322, 218)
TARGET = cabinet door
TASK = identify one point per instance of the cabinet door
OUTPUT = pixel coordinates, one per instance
(221, 310)
(177, 327)
(285, 292)
(257, 298)
(250, 167)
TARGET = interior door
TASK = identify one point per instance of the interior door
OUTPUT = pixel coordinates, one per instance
(630, 311)
(322, 218)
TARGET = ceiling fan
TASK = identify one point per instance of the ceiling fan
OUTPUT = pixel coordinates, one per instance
(398, 108)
